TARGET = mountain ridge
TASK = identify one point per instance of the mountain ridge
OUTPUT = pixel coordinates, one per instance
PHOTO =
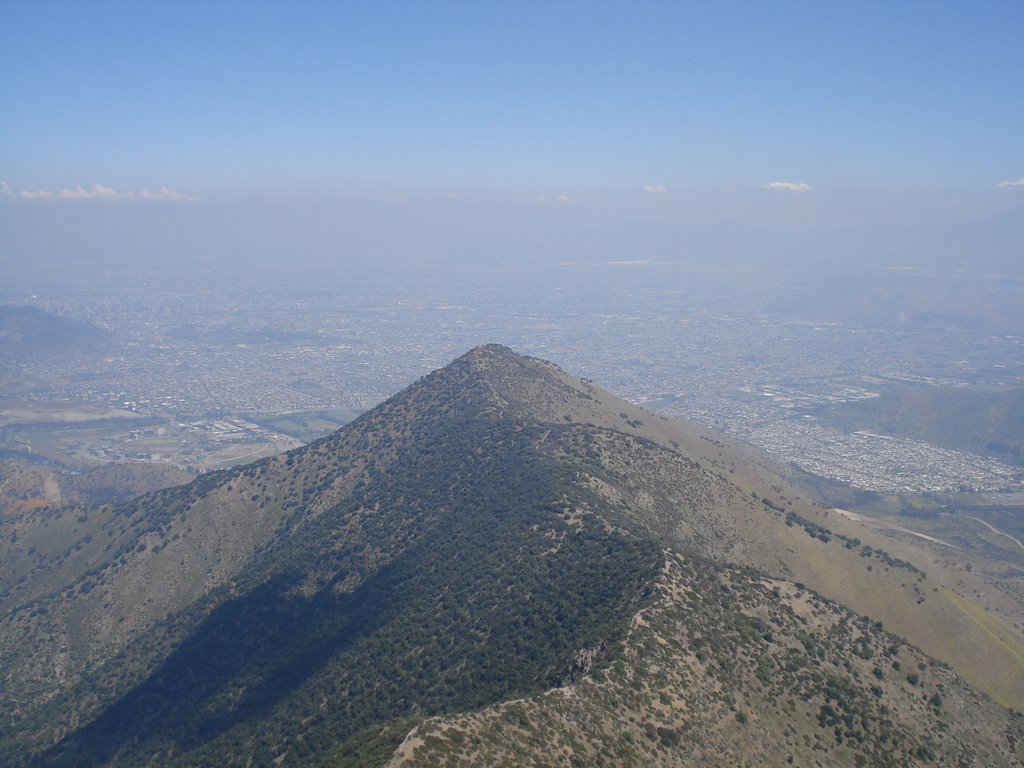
(462, 543)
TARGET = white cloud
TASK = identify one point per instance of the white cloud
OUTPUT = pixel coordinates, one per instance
(565, 199)
(5, 189)
(165, 194)
(95, 192)
(1011, 184)
(655, 188)
(788, 186)
(100, 192)
(28, 194)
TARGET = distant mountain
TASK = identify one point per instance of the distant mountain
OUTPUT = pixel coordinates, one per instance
(27, 332)
(497, 531)
(908, 298)
(982, 422)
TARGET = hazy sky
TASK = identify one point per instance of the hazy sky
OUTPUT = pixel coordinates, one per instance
(662, 116)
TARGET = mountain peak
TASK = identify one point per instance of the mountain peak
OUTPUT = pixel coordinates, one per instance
(490, 351)
(491, 359)
(516, 384)
(497, 379)
(488, 534)
(488, 357)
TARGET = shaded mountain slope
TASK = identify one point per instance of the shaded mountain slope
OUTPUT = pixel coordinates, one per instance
(727, 667)
(488, 532)
(27, 332)
(487, 596)
(378, 513)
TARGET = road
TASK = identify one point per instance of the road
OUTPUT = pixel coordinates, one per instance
(872, 522)
(1014, 539)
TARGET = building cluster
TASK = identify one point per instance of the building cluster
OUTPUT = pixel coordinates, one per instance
(204, 360)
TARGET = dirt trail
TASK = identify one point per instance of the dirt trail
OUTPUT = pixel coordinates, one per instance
(872, 522)
(1014, 539)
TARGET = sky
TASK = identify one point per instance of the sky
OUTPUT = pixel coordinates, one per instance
(641, 117)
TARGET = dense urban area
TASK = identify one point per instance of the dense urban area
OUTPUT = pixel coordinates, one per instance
(208, 374)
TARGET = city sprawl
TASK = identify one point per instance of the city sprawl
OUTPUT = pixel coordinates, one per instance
(206, 372)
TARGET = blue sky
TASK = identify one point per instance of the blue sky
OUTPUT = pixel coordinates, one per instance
(398, 126)
(232, 98)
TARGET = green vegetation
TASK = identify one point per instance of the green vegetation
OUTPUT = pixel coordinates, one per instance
(480, 591)
(307, 426)
(727, 668)
(488, 534)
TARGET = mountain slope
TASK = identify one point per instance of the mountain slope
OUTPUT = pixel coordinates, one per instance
(727, 667)
(27, 332)
(388, 540)
(986, 423)
(489, 532)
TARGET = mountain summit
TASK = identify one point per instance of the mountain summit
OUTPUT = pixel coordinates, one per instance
(501, 564)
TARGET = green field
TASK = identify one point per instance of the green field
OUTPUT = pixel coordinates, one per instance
(308, 425)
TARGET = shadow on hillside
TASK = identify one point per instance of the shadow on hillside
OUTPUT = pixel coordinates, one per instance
(244, 659)
(490, 594)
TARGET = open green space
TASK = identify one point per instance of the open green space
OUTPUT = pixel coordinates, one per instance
(308, 426)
